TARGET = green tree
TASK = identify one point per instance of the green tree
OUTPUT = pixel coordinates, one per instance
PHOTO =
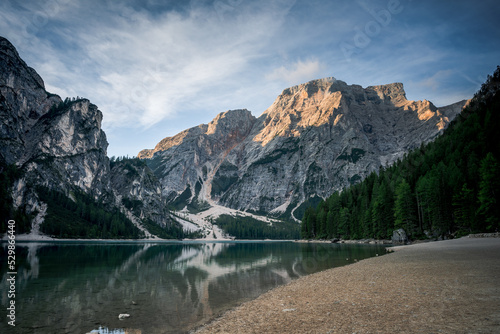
(405, 212)
(464, 208)
(382, 210)
(489, 191)
(344, 222)
(308, 224)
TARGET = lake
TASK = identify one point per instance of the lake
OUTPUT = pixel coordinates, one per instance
(167, 287)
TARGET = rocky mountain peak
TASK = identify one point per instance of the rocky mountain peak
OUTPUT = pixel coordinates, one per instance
(23, 101)
(14, 71)
(312, 86)
(315, 138)
(226, 129)
(60, 146)
(239, 120)
(393, 93)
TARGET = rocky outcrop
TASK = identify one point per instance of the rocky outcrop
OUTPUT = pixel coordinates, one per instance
(23, 100)
(316, 138)
(55, 143)
(138, 189)
(61, 145)
(185, 162)
(399, 237)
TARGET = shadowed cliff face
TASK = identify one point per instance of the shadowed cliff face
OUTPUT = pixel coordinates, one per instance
(23, 100)
(316, 138)
(60, 145)
(135, 185)
(55, 143)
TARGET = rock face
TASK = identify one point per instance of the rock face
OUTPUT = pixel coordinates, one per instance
(60, 145)
(316, 138)
(23, 100)
(138, 189)
(55, 143)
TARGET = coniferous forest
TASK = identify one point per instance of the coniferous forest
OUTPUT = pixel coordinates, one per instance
(82, 217)
(449, 187)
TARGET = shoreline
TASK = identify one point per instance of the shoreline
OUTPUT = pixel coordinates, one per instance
(25, 238)
(450, 286)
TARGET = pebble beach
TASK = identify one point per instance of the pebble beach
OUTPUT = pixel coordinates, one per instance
(450, 286)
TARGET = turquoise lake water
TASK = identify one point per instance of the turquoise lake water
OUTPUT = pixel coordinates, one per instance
(82, 287)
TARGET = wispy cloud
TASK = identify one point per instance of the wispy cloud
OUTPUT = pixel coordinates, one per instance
(157, 67)
(297, 72)
(145, 68)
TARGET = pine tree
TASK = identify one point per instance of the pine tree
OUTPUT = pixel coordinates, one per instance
(343, 228)
(489, 192)
(464, 208)
(405, 212)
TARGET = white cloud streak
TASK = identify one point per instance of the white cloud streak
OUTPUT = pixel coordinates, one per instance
(146, 68)
(297, 72)
(156, 65)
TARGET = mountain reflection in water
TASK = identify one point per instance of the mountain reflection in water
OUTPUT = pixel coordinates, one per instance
(164, 287)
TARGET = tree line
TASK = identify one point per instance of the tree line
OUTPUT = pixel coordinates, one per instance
(82, 217)
(243, 227)
(447, 187)
(8, 175)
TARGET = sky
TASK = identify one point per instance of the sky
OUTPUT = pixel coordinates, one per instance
(155, 68)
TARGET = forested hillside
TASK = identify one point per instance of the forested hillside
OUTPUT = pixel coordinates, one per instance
(448, 187)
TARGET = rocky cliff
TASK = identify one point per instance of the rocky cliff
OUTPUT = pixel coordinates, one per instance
(60, 145)
(138, 189)
(55, 143)
(316, 138)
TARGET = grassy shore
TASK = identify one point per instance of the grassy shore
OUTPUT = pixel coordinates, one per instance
(448, 286)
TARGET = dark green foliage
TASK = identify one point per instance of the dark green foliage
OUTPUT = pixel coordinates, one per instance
(310, 202)
(489, 188)
(58, 109)
(249, 228)
(449, 186)
(129, 164)
(8, 174)
(464, 210)
(405, 209)
(83, 218)
(166, 232)
(196, 206)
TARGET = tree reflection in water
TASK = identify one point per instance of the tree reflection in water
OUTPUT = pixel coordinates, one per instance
(165, 287)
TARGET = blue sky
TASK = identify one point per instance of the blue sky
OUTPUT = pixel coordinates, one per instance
(155, 67)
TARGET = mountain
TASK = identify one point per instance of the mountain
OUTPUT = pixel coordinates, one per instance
(316, 138)
(447, 188)
(53, 149)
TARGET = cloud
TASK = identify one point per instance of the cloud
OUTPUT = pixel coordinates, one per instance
(435, 81)
(298, 72)
(157, 66)
(142, 67)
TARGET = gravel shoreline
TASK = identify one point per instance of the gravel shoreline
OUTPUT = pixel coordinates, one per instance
(450, 286)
